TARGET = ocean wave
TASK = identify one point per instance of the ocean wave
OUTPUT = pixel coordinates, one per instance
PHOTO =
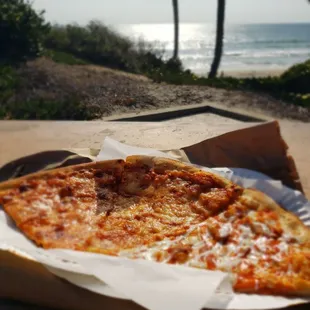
(244, 45)
(270, 56)
(266, 42)
(248, 52)
(250, 62)
(242, 53)
(268, 53)
(197, 54)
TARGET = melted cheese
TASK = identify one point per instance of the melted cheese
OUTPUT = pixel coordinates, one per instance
(225, 230)
(261, 244)
(243, 251)
(42, 205)
(164, 218)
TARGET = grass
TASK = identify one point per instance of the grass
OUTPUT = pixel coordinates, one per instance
(69, 109)
(63, 57)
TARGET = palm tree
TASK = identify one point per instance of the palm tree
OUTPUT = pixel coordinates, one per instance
(176, 28)
(219, 38)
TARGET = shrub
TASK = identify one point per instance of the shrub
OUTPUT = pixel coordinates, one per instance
(293, 86)
(95, 43)
(297, 78)
(101, 45)
(9, 81)
(8, 78)
(22, 30)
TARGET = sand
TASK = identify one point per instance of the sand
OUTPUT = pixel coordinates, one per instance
(254, 73)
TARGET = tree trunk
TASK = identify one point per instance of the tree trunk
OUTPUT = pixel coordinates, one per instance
(176, 28)
(219, 38)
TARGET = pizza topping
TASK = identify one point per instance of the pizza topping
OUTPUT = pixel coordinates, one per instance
(45, 205)
(225, 230)
(24, 187)
(174, 216)
(195, 178)
(245, 252)
(105, 195)
(283, 247)
(214, 201)
(193, 190)
(99, 174)
(260, 228)
(6, 199)
(179, 255)
(260, 244)
(65, 192)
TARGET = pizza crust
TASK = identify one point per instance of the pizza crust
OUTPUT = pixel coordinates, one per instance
(162, 165)
(109, 164)
(292, 225)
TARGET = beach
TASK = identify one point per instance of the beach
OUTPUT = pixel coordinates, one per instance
(255, 73)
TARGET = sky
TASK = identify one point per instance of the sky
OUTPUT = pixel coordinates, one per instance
(114, 12)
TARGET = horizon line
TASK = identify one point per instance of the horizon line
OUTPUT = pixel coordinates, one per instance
(207, 23)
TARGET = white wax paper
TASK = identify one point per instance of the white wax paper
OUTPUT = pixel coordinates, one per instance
(153, 285)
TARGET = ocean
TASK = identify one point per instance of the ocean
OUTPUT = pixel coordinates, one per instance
(248, 47)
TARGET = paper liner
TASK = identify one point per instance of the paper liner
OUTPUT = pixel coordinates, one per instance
(153, 285)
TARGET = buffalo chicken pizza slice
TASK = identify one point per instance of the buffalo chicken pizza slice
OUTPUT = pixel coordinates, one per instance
(163, 210)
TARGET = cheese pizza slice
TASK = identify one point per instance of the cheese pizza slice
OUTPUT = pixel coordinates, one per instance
(169, 212)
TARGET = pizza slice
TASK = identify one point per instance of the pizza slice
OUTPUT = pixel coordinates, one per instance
(169, 212)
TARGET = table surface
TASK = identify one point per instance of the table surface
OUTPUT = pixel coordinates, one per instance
(21, 138)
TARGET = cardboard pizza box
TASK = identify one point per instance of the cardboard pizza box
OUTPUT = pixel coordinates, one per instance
(258, 147)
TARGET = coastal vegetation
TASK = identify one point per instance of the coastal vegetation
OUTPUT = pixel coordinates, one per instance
(28, 92)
